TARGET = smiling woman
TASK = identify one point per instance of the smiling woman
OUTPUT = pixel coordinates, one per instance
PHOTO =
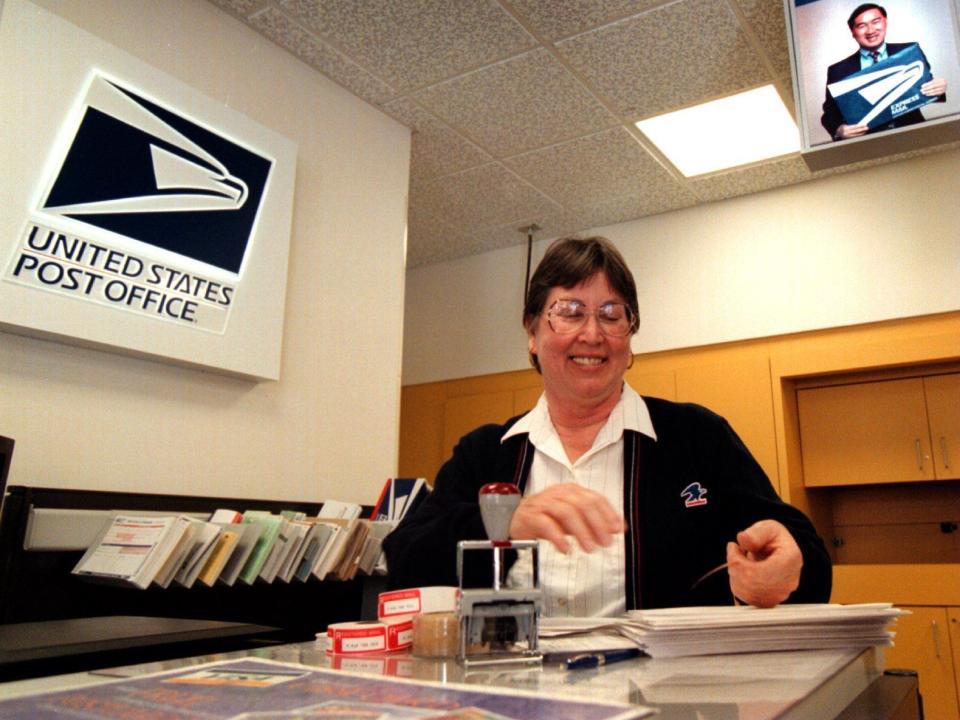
(581, 344)
(606, 474)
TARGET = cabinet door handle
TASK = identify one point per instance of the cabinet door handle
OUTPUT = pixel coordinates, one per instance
(936, 638)
(943, 451)
(919, 455)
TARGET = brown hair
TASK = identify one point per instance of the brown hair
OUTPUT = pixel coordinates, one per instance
(570, 261)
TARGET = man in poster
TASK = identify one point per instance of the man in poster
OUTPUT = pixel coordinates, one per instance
(868, 25)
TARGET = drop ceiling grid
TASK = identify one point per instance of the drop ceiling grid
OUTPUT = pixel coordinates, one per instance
(437, 149)
(766, 20)
(607, 166)
(414, 43)
(481, 197)
(327, 60)
(556, 19)
(672, 57)
(517, 105)
(522, 110)
(435, 234)
(767, 175)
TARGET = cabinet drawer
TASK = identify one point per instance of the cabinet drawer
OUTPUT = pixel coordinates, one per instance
(865, 433)
(943, 407)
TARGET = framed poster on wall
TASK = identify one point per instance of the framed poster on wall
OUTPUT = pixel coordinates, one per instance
(139, 216)
(874, 79)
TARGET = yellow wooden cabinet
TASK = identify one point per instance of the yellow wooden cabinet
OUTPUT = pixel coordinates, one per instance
(421, 430)
(880, 432)
(942, 393)
(738, 388)
(953, 618)
(434, 416)
(661, 382)
(467, 412)
(923, 644)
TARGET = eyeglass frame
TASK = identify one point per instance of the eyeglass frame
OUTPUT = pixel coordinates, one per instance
(634, 318)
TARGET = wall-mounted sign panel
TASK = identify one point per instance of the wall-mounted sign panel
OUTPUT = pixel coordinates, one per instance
(138, 215)
(873, 80)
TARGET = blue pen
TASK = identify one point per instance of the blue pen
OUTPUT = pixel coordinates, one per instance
(592, 660)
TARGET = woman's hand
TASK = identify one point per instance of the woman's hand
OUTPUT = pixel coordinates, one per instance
(566, 510)
(764, 564)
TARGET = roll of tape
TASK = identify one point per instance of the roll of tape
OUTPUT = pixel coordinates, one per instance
(436, 635)
(439, 598)
(369, 636)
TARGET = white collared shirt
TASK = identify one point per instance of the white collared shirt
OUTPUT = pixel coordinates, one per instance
(581, 584)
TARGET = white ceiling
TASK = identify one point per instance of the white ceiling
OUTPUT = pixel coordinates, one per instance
(523, 111)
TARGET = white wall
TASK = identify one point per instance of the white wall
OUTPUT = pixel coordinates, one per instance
(329, 427)
(872, 245)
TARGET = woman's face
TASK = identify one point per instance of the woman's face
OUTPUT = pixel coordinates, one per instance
(585, 366)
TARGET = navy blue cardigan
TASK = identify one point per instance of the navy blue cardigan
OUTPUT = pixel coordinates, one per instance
(686, 495)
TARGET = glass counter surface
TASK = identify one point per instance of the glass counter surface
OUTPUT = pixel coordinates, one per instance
(802, 685)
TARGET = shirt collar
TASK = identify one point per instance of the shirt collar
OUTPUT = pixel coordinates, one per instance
(881, 53)
(631, 414)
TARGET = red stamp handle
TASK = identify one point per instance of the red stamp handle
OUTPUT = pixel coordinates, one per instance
(499, 488)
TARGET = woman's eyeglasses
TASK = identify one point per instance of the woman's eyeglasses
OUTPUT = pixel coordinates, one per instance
(613, 318)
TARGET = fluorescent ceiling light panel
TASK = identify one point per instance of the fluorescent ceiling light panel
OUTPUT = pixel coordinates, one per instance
(725, 133)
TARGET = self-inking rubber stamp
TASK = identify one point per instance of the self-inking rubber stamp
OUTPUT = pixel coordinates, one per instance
(499, 624)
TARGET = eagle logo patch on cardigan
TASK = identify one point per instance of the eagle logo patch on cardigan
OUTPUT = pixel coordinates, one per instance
(694, 494)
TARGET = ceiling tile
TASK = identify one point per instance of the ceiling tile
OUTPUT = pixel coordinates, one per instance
(488, 240)
(431, 240)
(501, 236)
(610, 211)
(553, 224)
(436, 149)
(559, 224)
(480, 197)
(414, 43)
(680, 54)
(276, 26)
(606, 168)
(754, 178)
(555, 19)
(243, 8)
(768, 22)
(516, 105)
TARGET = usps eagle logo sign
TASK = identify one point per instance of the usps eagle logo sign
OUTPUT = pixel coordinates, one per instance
(143, 210)
(141, 215)
(147, 173)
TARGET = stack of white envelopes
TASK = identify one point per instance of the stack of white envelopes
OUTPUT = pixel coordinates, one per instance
(685, 631)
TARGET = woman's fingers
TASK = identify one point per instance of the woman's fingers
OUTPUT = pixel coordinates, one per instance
(567, 510)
